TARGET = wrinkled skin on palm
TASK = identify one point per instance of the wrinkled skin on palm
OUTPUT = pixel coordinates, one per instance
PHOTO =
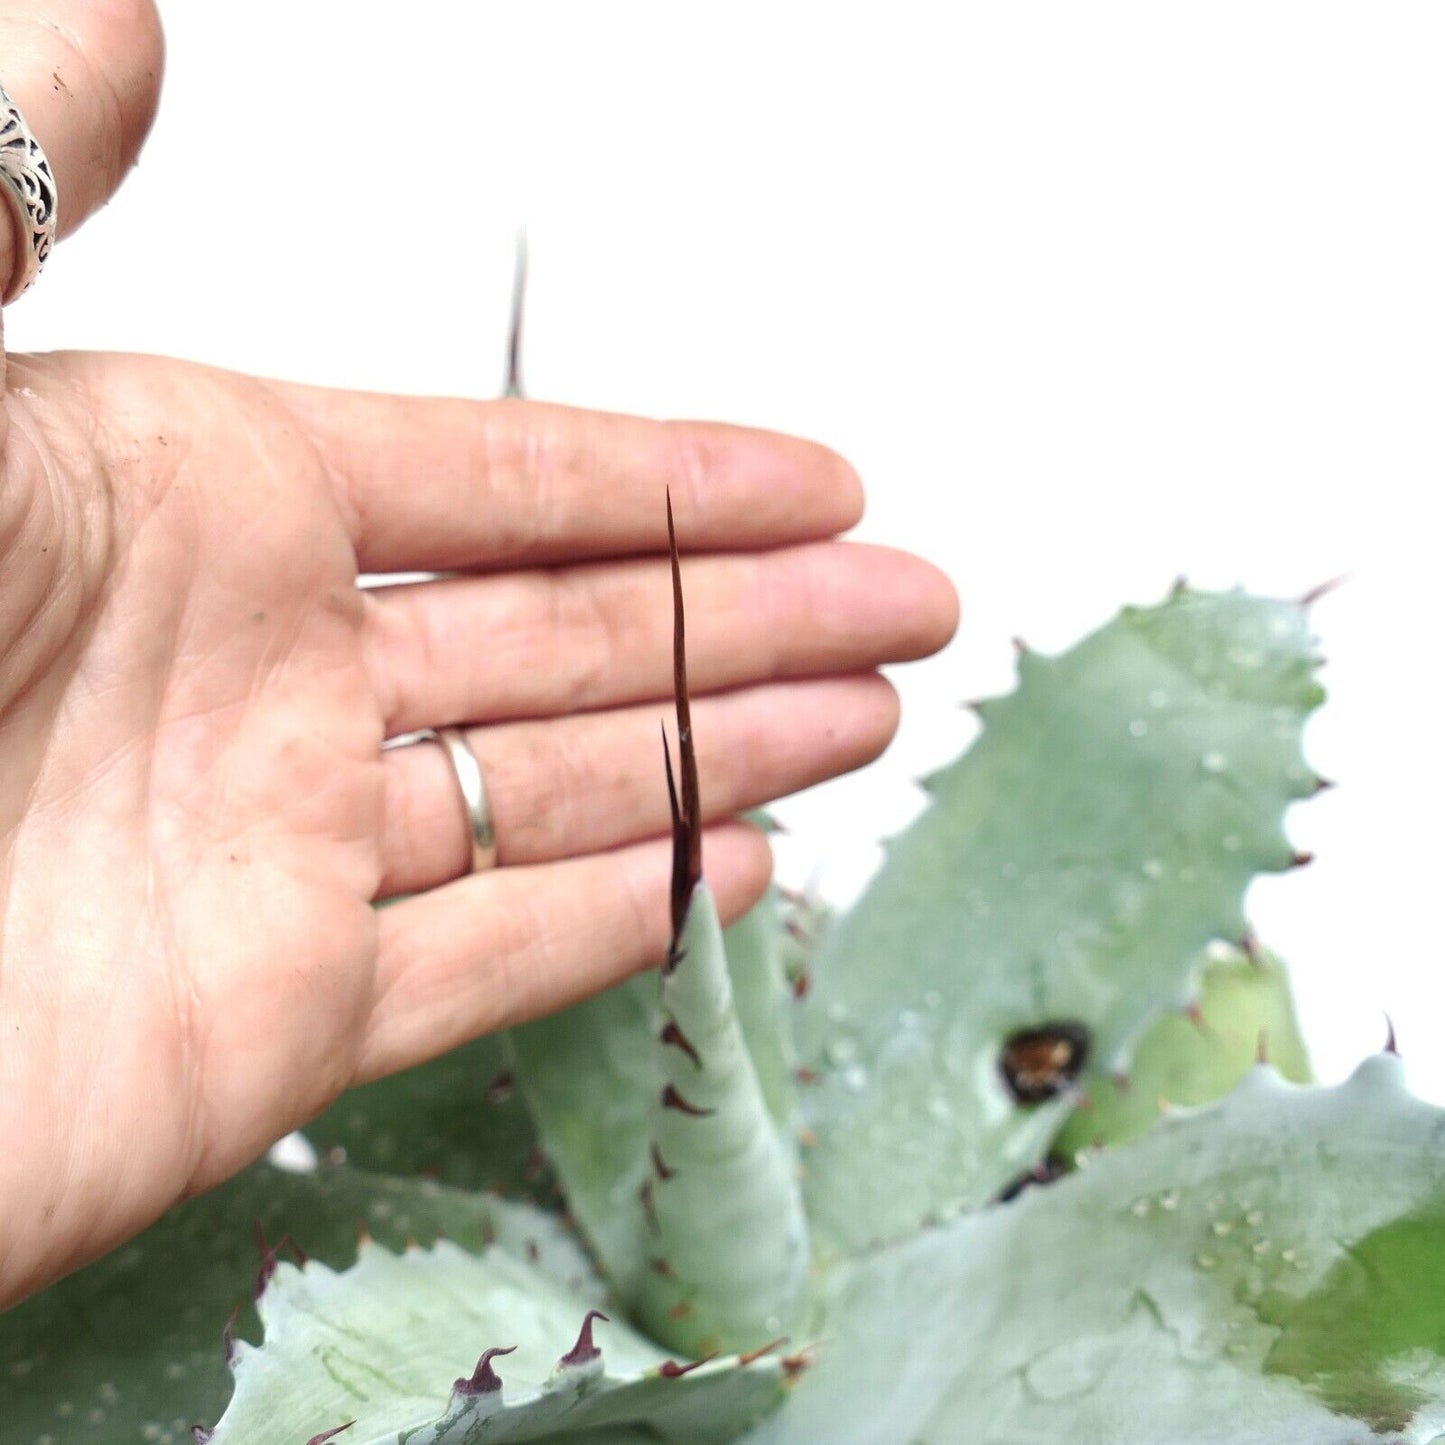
(949, 1172)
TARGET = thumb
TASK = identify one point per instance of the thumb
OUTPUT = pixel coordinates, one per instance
(85, 75)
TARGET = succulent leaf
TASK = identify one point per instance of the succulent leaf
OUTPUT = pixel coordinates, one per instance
(456, 1119)
(1266, 1271)
(1056, 894)
(441, 1347)
(133, 1343)
(726, 1233)
(1243, 1004)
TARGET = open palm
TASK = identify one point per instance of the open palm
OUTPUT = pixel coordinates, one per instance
(196, 815)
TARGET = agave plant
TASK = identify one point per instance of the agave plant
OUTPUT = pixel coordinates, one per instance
(903, 1176)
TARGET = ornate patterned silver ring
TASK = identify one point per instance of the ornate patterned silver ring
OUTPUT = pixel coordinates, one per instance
(26, 179)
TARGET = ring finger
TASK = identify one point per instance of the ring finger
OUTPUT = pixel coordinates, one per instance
(594, 781)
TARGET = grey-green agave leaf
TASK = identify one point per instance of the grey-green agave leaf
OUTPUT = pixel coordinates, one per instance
(1266, 1271)
(443, 1347)
(1051, 902)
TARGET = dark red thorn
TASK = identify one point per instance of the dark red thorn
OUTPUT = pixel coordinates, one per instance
(1323, 784)
(687, 808)
(500, 1089)
(1315, 593)
(1180, 586)
(804, 1075)
(585, 1350)
(794, 1365)
(271, 1257)
(658, 1167)
(1195, 1015)
(228, 1336)
(680, 1311)
(1301, 860)
(671, 1099)
(363, 1234)
(1249, 946)
(671, 1370)
(1021, 647)
(801, 984)
(1391, 1046)
(762, 1350)
(649, 1207)
(661, 1268)
(672, 1034)
(331, 1434)
(201, 1434)
(483, 1379)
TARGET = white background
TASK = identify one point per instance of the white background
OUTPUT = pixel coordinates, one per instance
(1093, 295)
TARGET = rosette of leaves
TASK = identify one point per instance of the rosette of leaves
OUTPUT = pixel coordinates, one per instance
(781, 1199)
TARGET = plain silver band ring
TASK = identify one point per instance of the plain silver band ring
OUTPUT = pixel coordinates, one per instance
(29, 185)
(474, 793)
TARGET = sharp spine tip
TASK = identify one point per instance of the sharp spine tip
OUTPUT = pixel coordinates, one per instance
(1391, 1043)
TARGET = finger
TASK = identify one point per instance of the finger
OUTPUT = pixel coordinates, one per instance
(465, 649)
(498, 948)
(440, 485)
(86, 77)
(583, 784)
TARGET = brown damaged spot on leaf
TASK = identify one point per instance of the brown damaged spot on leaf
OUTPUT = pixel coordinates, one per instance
(1041, 1063)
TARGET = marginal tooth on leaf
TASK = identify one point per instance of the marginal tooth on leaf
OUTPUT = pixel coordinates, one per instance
(228, 1337)
(794, 1365)
(649, 1207)
(671, 1370)
(363, 1234)
(500, 1089)
(672, 1034)
(661, 1268)
(331, 1434)
(1301, 860)
(1179, 587)
(801, 984)
(1249, 946)
(1261, 1052)
(585, 1350)
(680, 1311)
(1021, 648)
(671, 1099)
(659, 1168)
(201, 1434)
(1195, 1015)
(762, 1350)
(271, 1257)
(1324, 784)
(484, 1379)
(1314, 594)
(804, 1075)
(1391, 1045)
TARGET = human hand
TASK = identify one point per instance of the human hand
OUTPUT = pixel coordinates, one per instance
(196, 816)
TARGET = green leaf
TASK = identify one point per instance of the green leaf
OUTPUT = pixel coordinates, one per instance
(399, 1345)
(456, 1119)
(1268, 1271)
(129, 1348)
(591, 1073)
(726, 1233)
(1073, 864)
(1243, 1001)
